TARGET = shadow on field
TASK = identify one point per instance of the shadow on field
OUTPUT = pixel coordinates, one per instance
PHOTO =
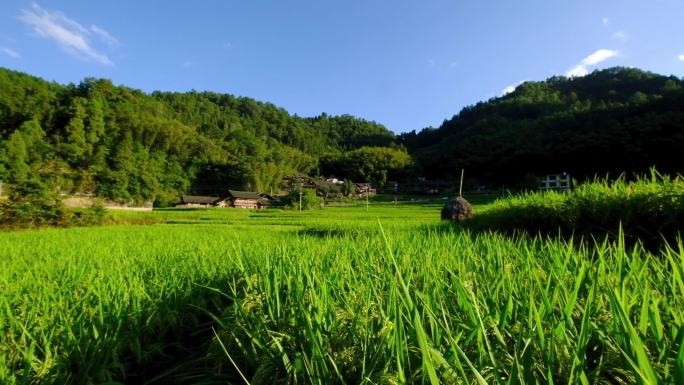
(653, 237)
(173, 347)
(199, 222)
(333, 232)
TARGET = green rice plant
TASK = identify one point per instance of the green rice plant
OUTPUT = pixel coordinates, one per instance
(649, 209)
(333, 297)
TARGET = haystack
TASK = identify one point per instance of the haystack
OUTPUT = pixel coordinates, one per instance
(457, 210)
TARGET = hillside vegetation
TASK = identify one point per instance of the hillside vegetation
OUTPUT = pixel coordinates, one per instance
(614, 121)
(123, 144)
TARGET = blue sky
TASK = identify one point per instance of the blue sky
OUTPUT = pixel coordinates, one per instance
(404, 63)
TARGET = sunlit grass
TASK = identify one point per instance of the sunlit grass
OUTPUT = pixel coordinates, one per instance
(647, 209)
(334, 296)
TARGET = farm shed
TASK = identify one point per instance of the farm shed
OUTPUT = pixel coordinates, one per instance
(198, 201)
(241, 199)
(557, 182)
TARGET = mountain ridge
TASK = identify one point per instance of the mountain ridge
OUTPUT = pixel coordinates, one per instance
(608, 122)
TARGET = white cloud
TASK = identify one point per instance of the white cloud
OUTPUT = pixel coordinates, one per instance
(599, 56)
(619, 35)
(605, 21)
(104, 35)
(681, 57)
(508, 90)
(511, 88)
(577, 71)
(595, 58)
(68, 34)
(10, 52)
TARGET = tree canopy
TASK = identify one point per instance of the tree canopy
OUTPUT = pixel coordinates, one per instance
(123, 144)
(368, 164)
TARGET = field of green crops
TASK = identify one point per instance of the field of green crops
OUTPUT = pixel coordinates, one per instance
(333, 296)
(647, 209)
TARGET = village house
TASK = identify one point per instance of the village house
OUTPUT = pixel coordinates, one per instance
(267, 200)
(294, 182)
(327, 189)
(241, 199)
(238, 199)
(198, 201)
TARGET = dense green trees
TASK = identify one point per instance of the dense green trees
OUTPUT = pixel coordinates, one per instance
(31, 203)
(122, 144)
(370, 164)
(611, 121)
(24, 152)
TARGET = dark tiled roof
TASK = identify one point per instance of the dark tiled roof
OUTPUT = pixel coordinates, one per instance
(199, 200)
(271, 203)
(243, 194)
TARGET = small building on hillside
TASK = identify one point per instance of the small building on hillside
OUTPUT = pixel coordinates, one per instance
(329, 189)
(297, 181)
(555, 182)
(198, 201)
(363, 189)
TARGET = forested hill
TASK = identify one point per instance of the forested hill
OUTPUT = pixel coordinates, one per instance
(611, 121)
(124, 144)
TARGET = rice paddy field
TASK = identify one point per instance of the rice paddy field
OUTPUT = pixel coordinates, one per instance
(341, 295)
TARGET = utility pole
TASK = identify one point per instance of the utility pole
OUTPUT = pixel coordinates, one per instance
(300, 195)
(460, 187)
(396, 192)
